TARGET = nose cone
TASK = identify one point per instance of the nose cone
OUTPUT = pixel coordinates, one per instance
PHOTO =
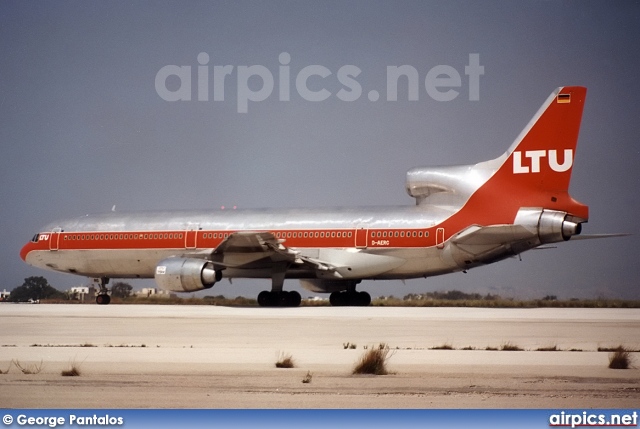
(25, 250)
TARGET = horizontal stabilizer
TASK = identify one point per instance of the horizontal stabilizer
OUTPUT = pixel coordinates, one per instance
(592, 236)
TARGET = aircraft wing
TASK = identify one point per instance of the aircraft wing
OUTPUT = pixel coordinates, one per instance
(244, 249)
(247, 250)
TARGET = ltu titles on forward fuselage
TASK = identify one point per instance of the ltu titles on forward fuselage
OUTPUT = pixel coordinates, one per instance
(464, 217)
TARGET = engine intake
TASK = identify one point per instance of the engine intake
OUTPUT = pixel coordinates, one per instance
(185, 274)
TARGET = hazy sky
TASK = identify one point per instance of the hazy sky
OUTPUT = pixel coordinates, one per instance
(83, 126)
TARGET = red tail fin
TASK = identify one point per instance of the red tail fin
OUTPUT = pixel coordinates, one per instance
(536, 170)
(541, 158)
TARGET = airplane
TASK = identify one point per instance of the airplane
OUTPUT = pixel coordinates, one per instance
(464, 216)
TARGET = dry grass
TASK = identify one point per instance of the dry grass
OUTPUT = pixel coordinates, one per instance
(553, 348)
(7, 371)
(374, 361)
(285, 361)
(33, 368)
(445, 346)
(72, 371)
(620, 358)
(350, 346)
(510, 347)
(307, 378)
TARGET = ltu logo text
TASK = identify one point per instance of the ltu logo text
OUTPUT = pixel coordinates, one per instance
(535, 159)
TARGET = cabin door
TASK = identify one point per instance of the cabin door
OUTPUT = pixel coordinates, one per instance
(54, 238)
(362, 234)
(440, 238)
(191, 237)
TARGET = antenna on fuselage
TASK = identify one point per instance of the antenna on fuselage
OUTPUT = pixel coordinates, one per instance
(113, 209)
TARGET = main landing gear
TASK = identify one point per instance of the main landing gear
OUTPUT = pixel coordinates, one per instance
(277, 297)
(102, 298)
(350, 298)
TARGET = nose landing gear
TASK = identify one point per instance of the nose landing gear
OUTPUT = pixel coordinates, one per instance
(102, 297)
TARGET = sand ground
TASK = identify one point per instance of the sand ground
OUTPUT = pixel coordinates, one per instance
(217, 357)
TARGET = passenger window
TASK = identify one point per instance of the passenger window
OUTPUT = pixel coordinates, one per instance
(401, 234)
(420, 234)
(349, 234)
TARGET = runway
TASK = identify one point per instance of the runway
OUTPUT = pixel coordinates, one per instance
(219, 357)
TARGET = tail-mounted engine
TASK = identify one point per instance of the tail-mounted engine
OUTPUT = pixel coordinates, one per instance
(186, 274)
(552, 226)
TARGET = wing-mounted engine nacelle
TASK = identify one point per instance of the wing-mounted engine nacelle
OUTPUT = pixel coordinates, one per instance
(552, 226)
(186, 274)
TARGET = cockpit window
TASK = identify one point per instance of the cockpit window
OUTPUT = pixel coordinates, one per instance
(35, 238)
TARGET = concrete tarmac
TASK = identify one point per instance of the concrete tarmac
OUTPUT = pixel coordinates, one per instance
(150, 356)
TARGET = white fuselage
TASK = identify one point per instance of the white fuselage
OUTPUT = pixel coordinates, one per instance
(131, 245)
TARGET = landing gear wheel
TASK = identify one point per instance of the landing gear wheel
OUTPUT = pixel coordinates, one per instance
(364, 299)
(352, 299)
(336, 299)
(294, 299)
(279, 299)
(103, 299)
(264, 299)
